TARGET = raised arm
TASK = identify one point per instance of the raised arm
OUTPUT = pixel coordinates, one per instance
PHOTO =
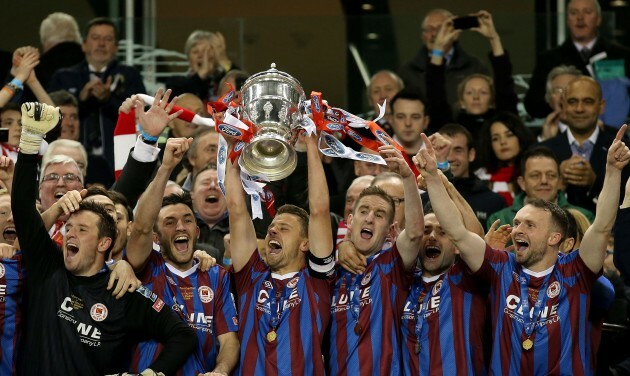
(408, 242)
(319, 226)
(593, 246)
(471, 222)
(622, 243)
(37, 120)
(470, 245)
(140, 241)
(243, 239)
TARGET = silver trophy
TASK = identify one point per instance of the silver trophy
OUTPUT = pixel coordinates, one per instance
(271, 102)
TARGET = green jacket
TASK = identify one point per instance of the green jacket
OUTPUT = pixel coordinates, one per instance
(507, 215)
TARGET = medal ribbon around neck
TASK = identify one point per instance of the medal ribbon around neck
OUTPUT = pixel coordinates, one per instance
(277, 307)
(541, 299)
(419, 307)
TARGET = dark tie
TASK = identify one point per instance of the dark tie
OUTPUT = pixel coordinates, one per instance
(586, 54)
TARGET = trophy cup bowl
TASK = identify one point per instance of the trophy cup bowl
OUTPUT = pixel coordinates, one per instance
(271, 102)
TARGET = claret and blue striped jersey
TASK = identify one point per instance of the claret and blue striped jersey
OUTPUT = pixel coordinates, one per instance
(453, 315)
(201, 299)
(561, 339)
(282, 335)
(12, 281)
(370, 346)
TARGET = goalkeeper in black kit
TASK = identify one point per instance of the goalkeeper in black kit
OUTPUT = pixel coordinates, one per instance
(75, 326)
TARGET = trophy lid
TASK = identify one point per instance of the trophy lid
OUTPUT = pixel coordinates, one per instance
(273, 74)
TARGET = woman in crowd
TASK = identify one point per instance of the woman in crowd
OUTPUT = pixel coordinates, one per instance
(208, 64)
(502, 141)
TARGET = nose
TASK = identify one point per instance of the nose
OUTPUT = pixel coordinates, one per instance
(180, 225)
(370, 217)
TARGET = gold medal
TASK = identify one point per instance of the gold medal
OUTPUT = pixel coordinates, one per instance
(271, 336)
(528, 344)
(358, 329)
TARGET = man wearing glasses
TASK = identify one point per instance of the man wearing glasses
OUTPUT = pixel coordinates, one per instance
(60, 174)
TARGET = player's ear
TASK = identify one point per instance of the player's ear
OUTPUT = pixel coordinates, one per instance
(304, 245)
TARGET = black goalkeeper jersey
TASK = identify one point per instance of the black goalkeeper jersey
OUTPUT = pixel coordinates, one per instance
(74, 325)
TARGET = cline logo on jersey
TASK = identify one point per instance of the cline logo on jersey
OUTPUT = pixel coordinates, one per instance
(263, 304)
(342, 303)
(196, 320)
(89, 334)
(514, 310)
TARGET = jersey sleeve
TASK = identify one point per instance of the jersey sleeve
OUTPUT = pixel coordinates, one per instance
(148, 315)
(226, 317)
(465, 279)
(41, 255)
(145, 275)
(493, 262)
(245, 277)
(394, 268)
(573, 265)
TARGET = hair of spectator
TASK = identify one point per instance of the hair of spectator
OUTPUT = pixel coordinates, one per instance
(407, 95)
(559, 218)
(581, 222)
(237, 75)
(379, 192)
(120, 199)
(514, 123)
(192, 151)
(11, 106)
(195, 37)
(598, 8)
(444, 12)
(55, 160)
(301, 215)
(70, 144)
(96, 190)
(462, 86)
(58, 27)
(453, 129)
(391, 74)
(385, 176)
(106, 224)
(64, 98)
(536, 152)
(361, 179)
(101, 21)
(559, 71)
(209, 166)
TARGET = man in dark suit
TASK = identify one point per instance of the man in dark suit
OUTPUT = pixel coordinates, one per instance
(583, 20)
(101, 84)
(582, 148)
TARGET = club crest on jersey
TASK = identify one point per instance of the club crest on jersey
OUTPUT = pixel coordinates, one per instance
(437, 287)
(205, 294)
(98, 312)
(267, 284)
(366, 279)
(292, 283)
(553, 290)
(2, 271)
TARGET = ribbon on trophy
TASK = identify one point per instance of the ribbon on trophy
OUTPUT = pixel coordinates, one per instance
(241, 131)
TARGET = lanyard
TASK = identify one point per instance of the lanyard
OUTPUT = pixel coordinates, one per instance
(541, 299)
(274, 303)
(420, 306)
